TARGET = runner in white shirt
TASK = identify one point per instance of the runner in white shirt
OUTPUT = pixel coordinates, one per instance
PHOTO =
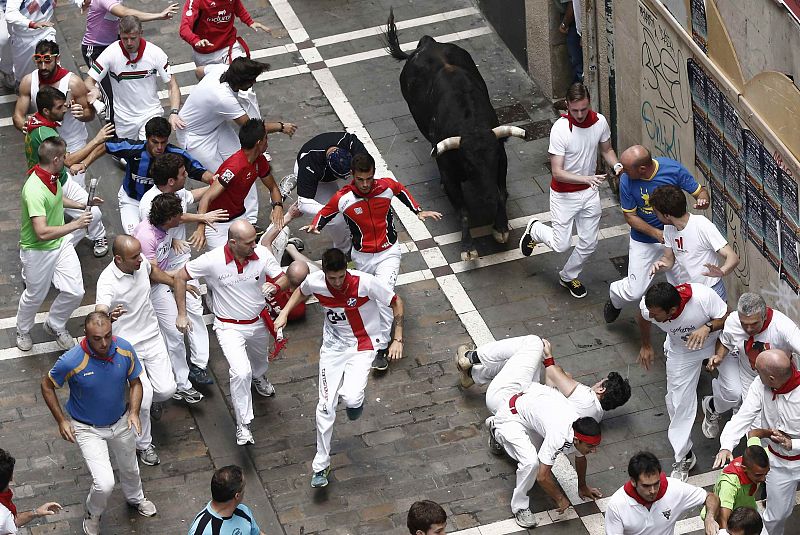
(351, 333)
(236, 273)
(11, 522)
(693, 244)
(692, 316)
(774, 401)
(133, 65)
(651, 503)
(29, 21)
(574, 195)
(123, 292)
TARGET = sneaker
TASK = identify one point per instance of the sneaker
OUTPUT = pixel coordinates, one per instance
(243, 435)
(495, 448)
(680, 470)
(263, 386)
(148, 456)
(320, 479)
(189, 395)
(156, 410)
(380, 363)
(525, 518)
(24, 341)
(145, 507)
(464, 365)
(526, 243)
(610, 312)
(710, 424)
(287, 184)
(199, 376)
(298, 244)
(91, 524)
(64, 340)
(575, 287)
(100, 247)
(354, 413)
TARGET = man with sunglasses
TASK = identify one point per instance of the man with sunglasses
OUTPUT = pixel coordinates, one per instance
(29, 22)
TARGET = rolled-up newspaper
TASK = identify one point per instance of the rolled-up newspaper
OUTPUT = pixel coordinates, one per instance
(92, 192)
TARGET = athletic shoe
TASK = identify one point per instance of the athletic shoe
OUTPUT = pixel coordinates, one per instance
(145, 507)
(320, 479)
(91, 524)
(100, 247)
(287, 184)
(354, 413)
(156, 410)
(526, 243)
(263, 386)
(525, 518)
(298, 244)
(575, 287)
(148, 456)
(380, 363)
(464, 365)
(64, 340)
(710, 425)
(199, 376)
(495, 448)
(24, 341)
(610, 312)
(680, 470)
(243, 435)
(189, 395)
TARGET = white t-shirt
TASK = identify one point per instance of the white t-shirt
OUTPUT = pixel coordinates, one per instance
(139, 323)
(542, 410)
(210, 104)
(626, 516)
(134, 84)
(7, 525)
(236, 288)
(694, 246)
(703, 306)
(579, 145)
(352, 316)
(780, 333)
(584, 402)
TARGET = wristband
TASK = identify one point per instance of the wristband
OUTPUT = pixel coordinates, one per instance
(173, 111)
(397, 340)
(617, 167)
(281, 130)
(276, 203)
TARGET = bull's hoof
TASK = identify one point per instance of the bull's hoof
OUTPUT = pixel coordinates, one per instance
(469, 255)
(500, 236)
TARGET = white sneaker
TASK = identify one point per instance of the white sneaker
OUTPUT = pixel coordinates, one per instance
(24, 341)
(243, 435)
(64, 340)
(91, 525)
(145, 507)
(680, 470)
(710, 426)
(525, 518)
(263, 386)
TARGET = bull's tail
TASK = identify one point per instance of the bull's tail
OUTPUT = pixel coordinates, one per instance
(392, 41)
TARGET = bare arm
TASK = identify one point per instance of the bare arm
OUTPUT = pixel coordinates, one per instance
(50, 398)
(122, 11)
(608, 154)
(702, 198)
(545, 479)
(731, 260)
(560, 174)
(712, 508)
(105, 133)
(296, 298)
(666, 261)
(45, 232)
(23, 105)
(396, 347)
(557, 377)
(637, 223)
(584, 490)
(175, 103)
(722, 518)
(646, 353)
(81, 109)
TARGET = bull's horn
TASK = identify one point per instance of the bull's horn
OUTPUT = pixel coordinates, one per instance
(506, 130)
(445, 145)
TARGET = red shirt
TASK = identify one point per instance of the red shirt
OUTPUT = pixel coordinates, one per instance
(212, 20)
(237, 176)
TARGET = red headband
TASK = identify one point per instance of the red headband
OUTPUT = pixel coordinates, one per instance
(591, 440)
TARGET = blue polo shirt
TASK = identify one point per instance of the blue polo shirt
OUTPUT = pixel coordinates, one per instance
(209, 522)
(96, 385)
(634, 195)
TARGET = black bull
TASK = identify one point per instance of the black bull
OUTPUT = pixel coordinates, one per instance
(450, 104)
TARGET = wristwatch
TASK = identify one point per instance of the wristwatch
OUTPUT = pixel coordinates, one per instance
(710, 326)
(276, 203)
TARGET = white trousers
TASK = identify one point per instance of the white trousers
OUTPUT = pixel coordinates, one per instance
(94, 443)
(683, 373)
(166, 309)
(128, 212)
(218, 236)
(781, 484)
(246, 348)
(74, 191)
(727, 386)
(518, 443)
(640, 259)
(59, 267)
(511, 365)
(223, 55)
(581, 209)
(212, 149)
(385, 266)
(158, 383)
(341, 373)
(23, 45)
(133, 129)
(6, 65)
(198, 336)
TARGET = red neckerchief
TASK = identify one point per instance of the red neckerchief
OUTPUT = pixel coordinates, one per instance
(735, 467)
(750, 342)
(588, 121)
(229, 257)
(788, 386)
(48, 179)
(89, 351)
(37, 120)
(56, 77)
(139, 52)
(5, 499)
(631, 491)
(349, 279)
(685, 291)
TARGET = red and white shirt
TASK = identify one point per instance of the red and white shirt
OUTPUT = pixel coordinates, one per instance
(236, 287)
(694, 247)
(369, 216)
(778, 332)
(699, 304)
(212, 20)
(352, 317)
(237, 175)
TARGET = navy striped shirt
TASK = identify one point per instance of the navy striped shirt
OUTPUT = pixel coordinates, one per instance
(209, 522)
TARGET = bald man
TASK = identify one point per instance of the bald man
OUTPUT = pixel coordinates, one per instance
(642, 175)
(237, 274)
(774, 399)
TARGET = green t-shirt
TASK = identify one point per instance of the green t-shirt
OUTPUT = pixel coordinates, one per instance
(32, 142)
(37, 200)
(732, 494)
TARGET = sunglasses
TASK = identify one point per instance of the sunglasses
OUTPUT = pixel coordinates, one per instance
(45, 58)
